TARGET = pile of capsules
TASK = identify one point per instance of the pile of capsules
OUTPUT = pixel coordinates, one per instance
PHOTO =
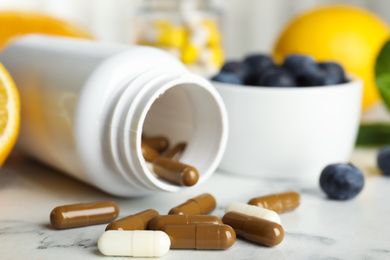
(187, 226)
(195, 40)
(166, 165)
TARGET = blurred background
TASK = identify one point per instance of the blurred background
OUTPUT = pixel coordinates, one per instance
(247, 25)
(206, 33)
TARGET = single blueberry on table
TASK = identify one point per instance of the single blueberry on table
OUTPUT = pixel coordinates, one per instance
(299, 65)
(383, 160)
(253, 65)
(341, 181)
(276, 77)
(227, 77)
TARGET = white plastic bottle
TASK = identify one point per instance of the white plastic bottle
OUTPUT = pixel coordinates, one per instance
(86, 104)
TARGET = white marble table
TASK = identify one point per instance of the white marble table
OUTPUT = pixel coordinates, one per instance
(318, 229)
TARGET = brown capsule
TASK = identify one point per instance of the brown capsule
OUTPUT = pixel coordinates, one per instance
(176, 151)
(255, 229)
(137, 221)
(84, 214)
(175, 172)
(200, 236)
(158, 143)
(279, 203)
(148, 153)
(159, 222)
(200, 205)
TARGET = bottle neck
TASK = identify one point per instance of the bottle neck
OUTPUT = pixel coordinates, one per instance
(181, 106)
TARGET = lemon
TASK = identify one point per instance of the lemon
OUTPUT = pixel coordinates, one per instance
(347, 34)
(9, 114)
(14, 24)
(18, 23)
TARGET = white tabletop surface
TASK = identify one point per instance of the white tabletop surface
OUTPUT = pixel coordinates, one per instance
(318, 229)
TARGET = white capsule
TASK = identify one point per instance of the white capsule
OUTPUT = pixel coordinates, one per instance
(136, 243)
(254, 211)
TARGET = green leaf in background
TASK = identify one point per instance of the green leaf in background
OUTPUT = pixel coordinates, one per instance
(382, 73)
(379, 134)
(373, 135)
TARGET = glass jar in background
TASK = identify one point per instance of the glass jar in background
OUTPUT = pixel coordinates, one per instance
(188, 29)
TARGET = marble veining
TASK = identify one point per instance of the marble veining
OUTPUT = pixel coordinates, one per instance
(318, 229)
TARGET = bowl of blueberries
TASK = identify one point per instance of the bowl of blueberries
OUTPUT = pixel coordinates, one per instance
(288, 120)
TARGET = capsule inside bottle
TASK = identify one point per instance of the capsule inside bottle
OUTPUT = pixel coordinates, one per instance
(170, 170)
(158, 143)
(176, 151)
(175, 172)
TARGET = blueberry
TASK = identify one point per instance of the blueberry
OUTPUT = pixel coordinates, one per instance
(383, 160)
(334, 73)
(276, 77)
(231, 66)
(299, 65)
(235, 67)
(227, 77)
(314, 78)
(341, 181)
(253, 65)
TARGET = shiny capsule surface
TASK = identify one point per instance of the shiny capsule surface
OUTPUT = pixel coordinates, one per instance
(159, 222)
(255, 211)
(175, 172)
(255, 229)
(158, 143)
(148, 153)
(83, 214)
(199, 205)
(200, 236)
(137, 243)
(279, 203)
(176, 151)
(137, 221)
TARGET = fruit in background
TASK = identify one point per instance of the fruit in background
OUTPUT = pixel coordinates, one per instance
(296, 71)
(227, 77)
(9, 114)
(17, 23)
(341, 181)
(383, 160)
(347, 34)
(276, 77)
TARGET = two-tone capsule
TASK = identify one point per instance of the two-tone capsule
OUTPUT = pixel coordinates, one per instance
(83, 214)
(136, 243)
(255, 229)
(251, 210)
(159, 222)
(279, 203)
(200, 236)
(139, 221)
(199, 205)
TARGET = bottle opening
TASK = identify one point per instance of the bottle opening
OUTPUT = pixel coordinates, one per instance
(187, 113)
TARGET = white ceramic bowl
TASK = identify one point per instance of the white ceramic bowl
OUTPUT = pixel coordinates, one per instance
(290, 132)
